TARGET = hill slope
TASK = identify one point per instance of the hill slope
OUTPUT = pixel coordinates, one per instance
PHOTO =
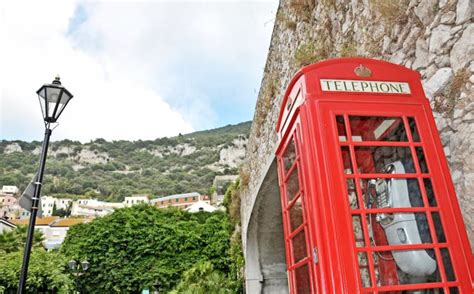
(113, 170)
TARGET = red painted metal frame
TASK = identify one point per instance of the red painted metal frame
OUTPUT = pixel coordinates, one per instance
(308, 117)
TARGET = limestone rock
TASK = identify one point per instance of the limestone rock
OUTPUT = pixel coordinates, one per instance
(463, 11)
(13, 147)
(421, 54)
(448, 18)
(411, 39)
(439, 37)
(425, 11)
(463, 49)
(438, 82)
(397, 57)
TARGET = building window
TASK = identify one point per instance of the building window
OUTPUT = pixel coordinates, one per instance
(194, 198)
(186, 199)
(177, 200)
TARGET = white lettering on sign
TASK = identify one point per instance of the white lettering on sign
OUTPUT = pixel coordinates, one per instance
(365, 86)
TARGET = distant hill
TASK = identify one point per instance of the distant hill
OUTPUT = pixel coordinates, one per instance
(112, 170)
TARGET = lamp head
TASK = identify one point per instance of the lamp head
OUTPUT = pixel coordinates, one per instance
(53, 99)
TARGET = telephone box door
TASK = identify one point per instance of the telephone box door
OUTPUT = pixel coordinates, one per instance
(400, 222)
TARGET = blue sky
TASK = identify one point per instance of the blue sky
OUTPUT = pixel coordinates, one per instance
(138, 70)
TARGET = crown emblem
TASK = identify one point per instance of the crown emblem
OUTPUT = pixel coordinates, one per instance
(362, 71)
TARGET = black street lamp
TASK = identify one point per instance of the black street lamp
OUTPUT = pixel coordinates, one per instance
(53, 99)
(77, 269)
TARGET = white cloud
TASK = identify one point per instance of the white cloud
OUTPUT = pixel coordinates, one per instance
(124, 63)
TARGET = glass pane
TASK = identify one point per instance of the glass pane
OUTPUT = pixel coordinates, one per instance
(391, 193)
(448, 266)
(53, 94)
(289, 156)
(453, 290)
(302, 277)
(430, 192)
(292, 185)
(51, 107)
(364, 269)
(421, 160)
(373, 128)
(352, 194)
(341, 128)
(413, 129)
(296, 214)
(358, 232)
(410, 267)
(346, 160)
(299, 246)
(438, 227)
(384, 159)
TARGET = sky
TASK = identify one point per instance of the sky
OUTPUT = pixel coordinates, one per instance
(137, 69)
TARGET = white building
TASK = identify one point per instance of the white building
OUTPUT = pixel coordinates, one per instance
(93, 207)
(201, 206)
(10, 190)
(57, 230)
(136, 199)
(47, 204)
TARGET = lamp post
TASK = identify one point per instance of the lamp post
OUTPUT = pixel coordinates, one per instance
(78, 269)
(53, 99)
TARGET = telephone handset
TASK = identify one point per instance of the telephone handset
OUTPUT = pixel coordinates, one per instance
(401, 228)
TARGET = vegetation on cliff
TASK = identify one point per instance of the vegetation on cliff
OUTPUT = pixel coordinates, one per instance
(112, 170)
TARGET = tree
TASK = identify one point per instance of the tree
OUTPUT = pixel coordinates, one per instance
(12, 241)
(202, 278)
(46, 272)
(134, 248)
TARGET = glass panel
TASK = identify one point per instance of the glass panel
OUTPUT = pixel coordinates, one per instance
(421, 160)
(413, 129)
(352, 194)
(289, 156)
(398, 229)
(430, 192)
(373, 128)
(341, 128)
(296, 214)
(453, 290)
(346, 160)
(364, 269)
(299, 246)
(391, 193)
(292, 185)
(302, 277)
(358, 232)
(448, 266)
(405, 267)
(438, 227)
(384, 159)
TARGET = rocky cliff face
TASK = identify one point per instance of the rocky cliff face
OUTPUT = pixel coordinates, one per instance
(434, 37)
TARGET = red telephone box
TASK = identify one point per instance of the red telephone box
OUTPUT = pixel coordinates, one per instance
(367, 198)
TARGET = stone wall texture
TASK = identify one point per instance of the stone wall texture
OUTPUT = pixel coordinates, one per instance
(434, 37)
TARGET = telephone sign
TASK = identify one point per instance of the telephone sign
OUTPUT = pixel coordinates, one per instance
(367, 198)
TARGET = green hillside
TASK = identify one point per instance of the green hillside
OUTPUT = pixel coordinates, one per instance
(112, 170)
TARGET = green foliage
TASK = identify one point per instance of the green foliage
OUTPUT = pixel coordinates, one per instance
(310, 52)
(13, 241)
(132, 169)
(142, 246)
(46, 272)
(232, 201)
(202, 279)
